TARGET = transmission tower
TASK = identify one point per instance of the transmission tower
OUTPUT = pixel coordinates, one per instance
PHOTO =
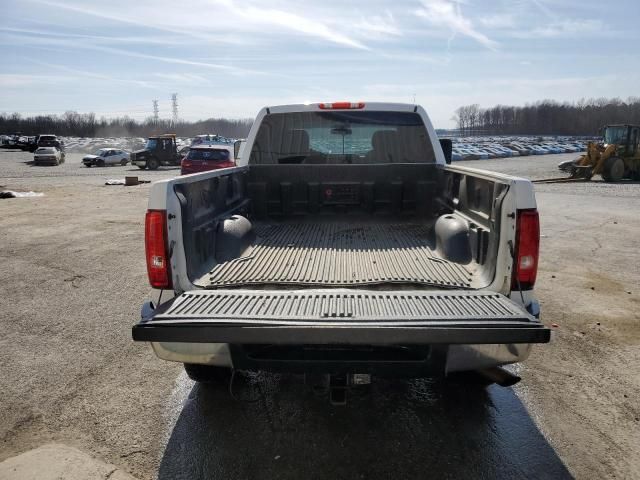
(156, 112)
(174, 108)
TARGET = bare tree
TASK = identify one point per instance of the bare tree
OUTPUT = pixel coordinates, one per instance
(548, 117)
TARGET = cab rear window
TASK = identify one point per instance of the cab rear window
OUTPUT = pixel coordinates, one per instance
(342, 137)
(209, 155)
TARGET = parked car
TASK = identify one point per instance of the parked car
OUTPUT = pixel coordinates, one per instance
(11, 140)
(207, 157)
(50, 141)
(29, 144)
(48, 156)
(210, 139)
(106, 156)
(380, 260)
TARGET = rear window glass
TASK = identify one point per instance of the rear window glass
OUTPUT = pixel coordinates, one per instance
(342, 137)
(212, 155)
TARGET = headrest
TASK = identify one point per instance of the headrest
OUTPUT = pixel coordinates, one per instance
(295, 141)
(383, 139)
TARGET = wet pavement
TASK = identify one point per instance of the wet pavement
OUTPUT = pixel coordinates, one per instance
(280, 428)
(90, 387)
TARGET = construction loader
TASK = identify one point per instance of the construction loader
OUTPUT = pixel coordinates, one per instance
(616, 158)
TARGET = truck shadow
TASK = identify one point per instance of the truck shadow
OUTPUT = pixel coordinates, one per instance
(280, 428)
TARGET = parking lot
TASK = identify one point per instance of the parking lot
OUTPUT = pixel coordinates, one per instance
(74, 280)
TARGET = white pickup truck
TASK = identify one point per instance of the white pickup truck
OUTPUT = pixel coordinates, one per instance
(344, 243)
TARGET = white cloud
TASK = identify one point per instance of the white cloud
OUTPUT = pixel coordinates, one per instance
(500, 20)
(230, 15)
(182, 78)
(291, 21)
(79, 73)
(377, 26)
(143, 19)
(569, 28)
(69, 44)
(448, 13)
(8, 80)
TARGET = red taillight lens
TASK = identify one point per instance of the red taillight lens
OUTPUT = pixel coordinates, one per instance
(341, 106)
(525, 266)
(155, 242)
(226, 164)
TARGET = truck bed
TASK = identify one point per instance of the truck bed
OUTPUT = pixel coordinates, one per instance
(340, 254)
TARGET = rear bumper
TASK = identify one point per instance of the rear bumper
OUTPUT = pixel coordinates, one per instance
(46, 161)
(347, 334)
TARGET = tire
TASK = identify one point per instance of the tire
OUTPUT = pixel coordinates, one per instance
(613, 170)
(153, 164)
(88, 165)
(208, 373)
(100, 163)
(123, 162)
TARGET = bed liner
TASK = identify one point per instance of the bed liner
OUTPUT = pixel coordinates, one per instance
(340, 254)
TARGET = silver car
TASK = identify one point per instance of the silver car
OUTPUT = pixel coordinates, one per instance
(106, 156)
(48, 156)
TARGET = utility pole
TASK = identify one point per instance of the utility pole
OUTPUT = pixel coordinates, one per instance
(156, 112)
(174, 108)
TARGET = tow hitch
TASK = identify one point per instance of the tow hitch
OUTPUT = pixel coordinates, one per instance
(338, 385)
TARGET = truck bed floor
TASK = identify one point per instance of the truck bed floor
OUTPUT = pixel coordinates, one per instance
(332, 254)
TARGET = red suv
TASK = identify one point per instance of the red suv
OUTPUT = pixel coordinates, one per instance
(207, 157)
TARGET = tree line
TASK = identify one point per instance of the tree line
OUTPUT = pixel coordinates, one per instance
(73, 124)
(547, 117)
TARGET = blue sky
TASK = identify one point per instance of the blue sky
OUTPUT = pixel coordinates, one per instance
(228, 59)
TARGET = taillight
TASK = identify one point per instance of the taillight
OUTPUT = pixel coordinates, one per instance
(226, 164)
(157, 252)
(341, 106)
(525, 266)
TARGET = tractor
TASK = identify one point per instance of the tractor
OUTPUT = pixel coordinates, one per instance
(159, 150)
(615, 159)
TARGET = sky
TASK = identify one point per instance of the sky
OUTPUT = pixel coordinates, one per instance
(228, 59)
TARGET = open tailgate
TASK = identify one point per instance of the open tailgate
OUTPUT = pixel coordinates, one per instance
(339, 316)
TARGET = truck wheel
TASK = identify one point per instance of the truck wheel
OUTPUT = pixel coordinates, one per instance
(613, 170)
(100, 163)
(153, 164)
(208, 373)
(88, 165)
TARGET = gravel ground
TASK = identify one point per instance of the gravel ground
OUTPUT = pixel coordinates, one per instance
(69, 372)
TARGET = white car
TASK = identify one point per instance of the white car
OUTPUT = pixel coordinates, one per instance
(48, 156)
(107, 156)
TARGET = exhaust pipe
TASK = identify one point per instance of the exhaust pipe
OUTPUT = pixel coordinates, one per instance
(499, 376)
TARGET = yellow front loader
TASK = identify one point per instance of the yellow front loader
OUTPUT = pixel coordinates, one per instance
(615, 159)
